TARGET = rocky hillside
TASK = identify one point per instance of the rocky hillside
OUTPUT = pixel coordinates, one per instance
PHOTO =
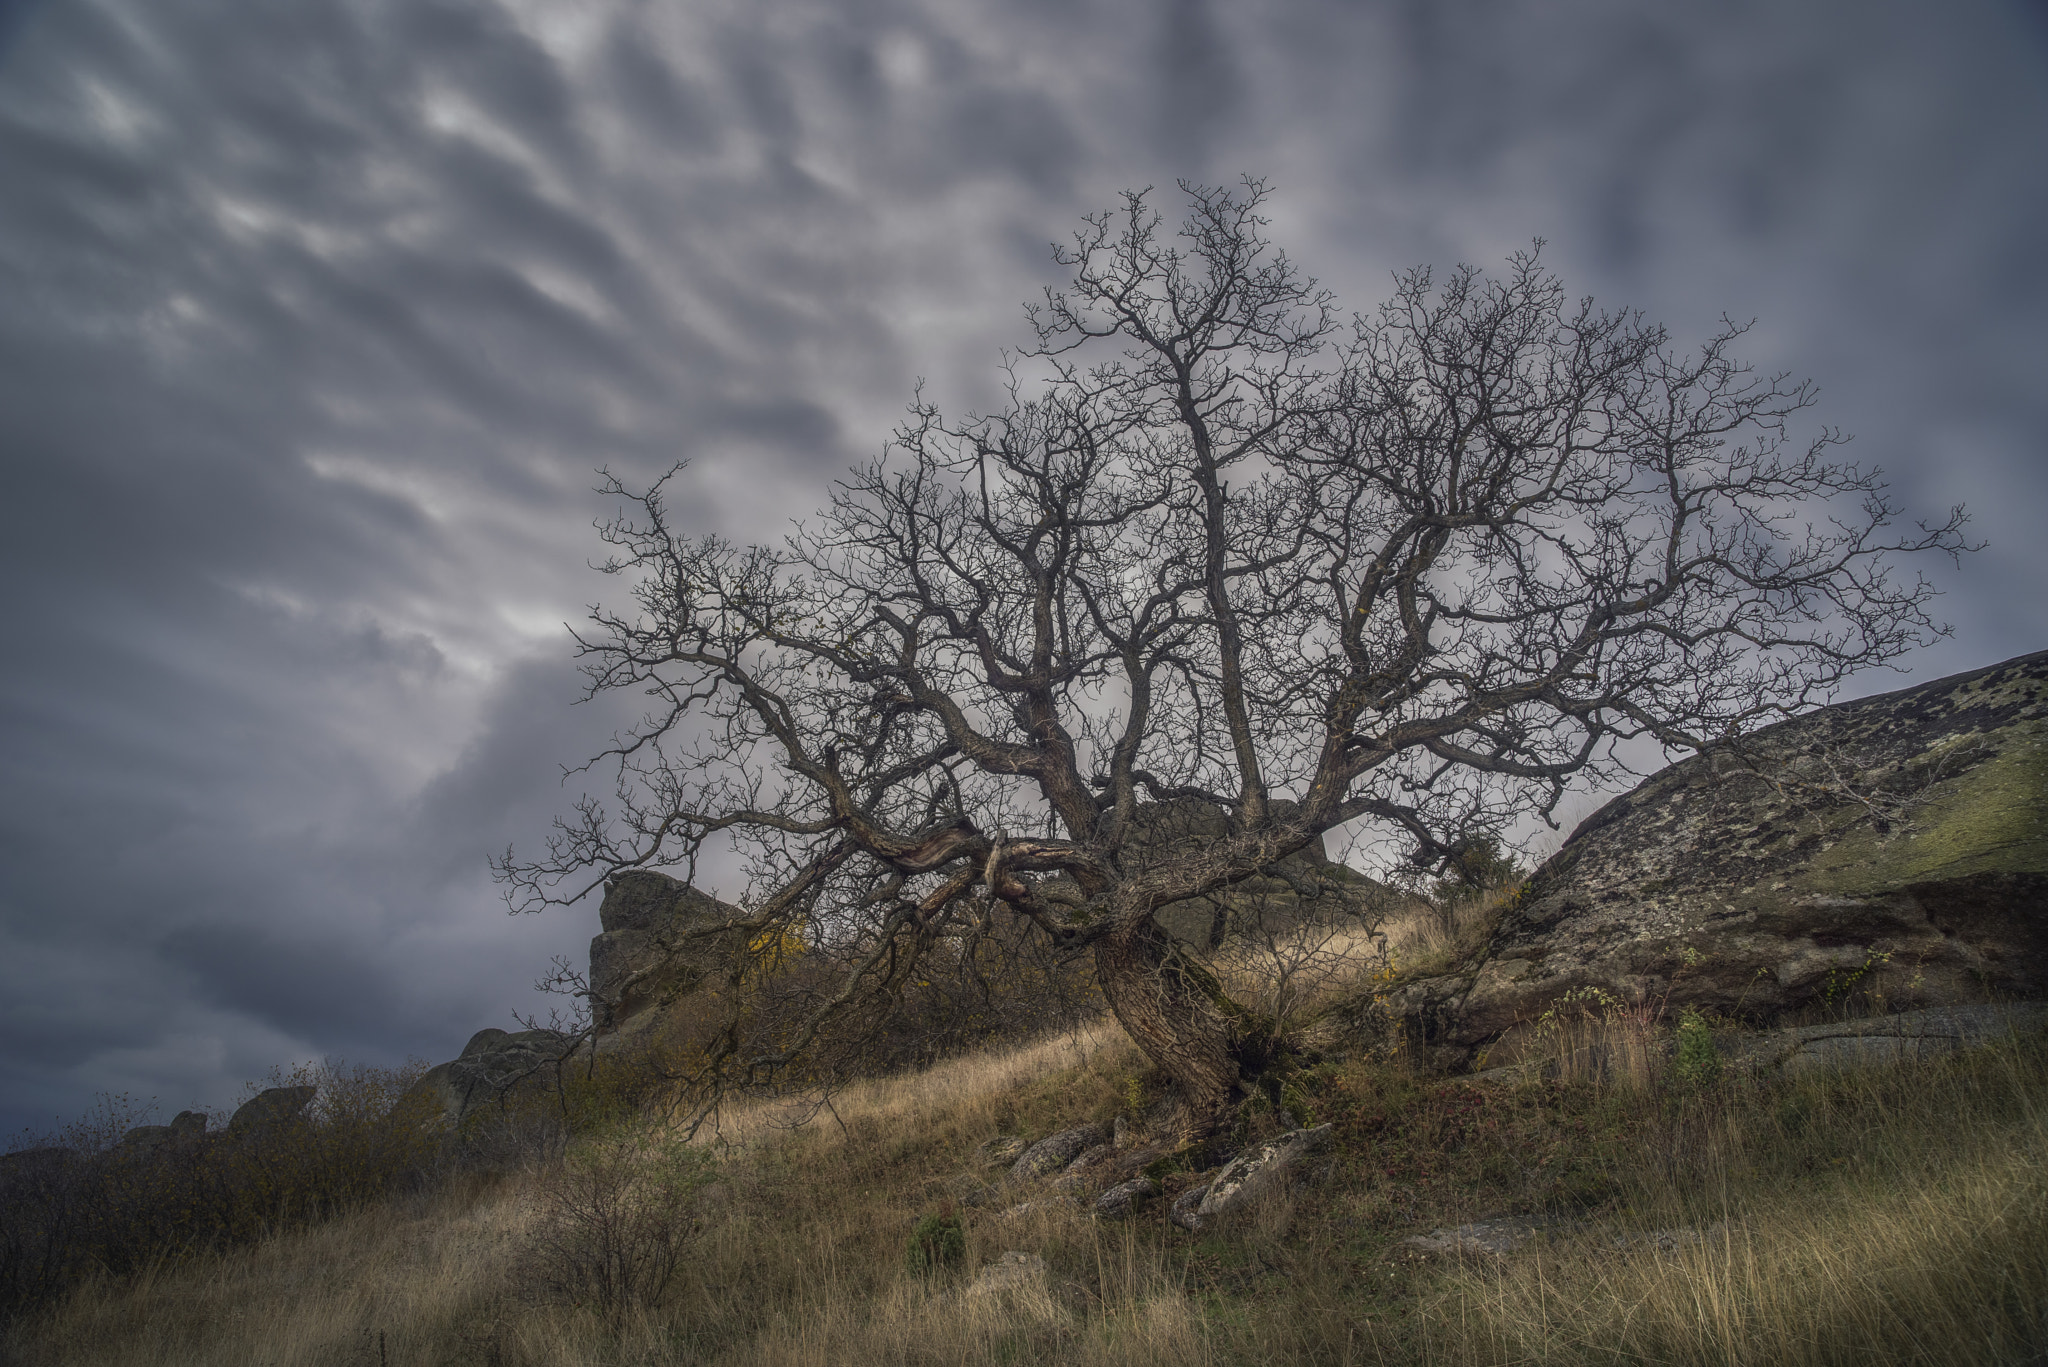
(1896, 846)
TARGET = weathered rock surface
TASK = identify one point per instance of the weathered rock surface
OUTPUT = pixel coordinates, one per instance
(1248, 1177)
(1125, 1198)
(1186, 1208)
(1053, 1153)
(1857, 1043)
(270, 1109)
(1000, 1152)
(184, 1127)
(1881, 1041)
(494, 1064)
(1087, 1168)
(646, 954)
(1896, 843)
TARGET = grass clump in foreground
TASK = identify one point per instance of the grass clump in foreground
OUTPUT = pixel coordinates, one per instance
(1898, 1217)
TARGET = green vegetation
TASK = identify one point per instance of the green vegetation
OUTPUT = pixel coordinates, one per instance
(1698, 1062)
(1994, 822)
(938, 1241)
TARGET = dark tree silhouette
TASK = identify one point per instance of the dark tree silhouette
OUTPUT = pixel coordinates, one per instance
(1410, 575)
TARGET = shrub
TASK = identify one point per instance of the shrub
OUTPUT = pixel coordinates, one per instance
(1699, 1062)
(612, 1219)
(939, 1240)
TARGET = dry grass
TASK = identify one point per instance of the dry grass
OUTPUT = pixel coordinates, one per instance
(391, 1283)
(958, 1093)
(1420, 935)
(1889, 1218)
(1849, 1221)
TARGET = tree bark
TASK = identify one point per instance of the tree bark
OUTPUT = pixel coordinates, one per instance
(1177, 1013)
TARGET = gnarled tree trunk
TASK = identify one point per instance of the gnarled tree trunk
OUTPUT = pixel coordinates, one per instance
(1177, 1013)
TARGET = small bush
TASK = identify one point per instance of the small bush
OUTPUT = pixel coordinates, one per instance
(1699, 1062)
(612, 1219)
(938, 1241)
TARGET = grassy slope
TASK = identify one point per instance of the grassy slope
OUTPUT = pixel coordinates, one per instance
(1884, 1218)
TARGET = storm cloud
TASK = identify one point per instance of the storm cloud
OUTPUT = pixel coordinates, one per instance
(316, 323)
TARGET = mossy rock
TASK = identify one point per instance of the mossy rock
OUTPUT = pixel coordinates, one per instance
(1894, 847)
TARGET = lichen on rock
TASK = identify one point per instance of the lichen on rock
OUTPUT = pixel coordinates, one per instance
(1897, 844)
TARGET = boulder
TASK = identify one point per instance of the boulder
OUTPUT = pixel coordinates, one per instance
(270, 1109)
(1125, 1198)
(1053, 1153)
(1856, 1043)
(1894, 847)
(1087, 1168)
(1186, 1208)
(184, 1127)
(1000, 1152)
(483, 1041)
(1250, 1176)
(1883, 1041)
(492, 1066)
(642, 960)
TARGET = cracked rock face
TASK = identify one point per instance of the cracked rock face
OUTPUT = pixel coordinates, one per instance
(1895, 845)
(1055, 1152)
(645, 957)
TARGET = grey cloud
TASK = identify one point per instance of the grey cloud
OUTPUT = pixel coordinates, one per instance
(307, 985)
(1199, 86)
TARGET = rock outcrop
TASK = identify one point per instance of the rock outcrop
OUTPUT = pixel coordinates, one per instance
(643, 958)
(185, 1127)
(1125, 1198)
(1893, 847)
(648, 951)
(269, 1110)
(1883, 1041)
(1055, 1152)
(493, 1065)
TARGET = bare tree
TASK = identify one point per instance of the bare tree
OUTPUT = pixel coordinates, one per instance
(1409, 575)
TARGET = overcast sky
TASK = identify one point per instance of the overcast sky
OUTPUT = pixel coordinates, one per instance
(316, 321)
